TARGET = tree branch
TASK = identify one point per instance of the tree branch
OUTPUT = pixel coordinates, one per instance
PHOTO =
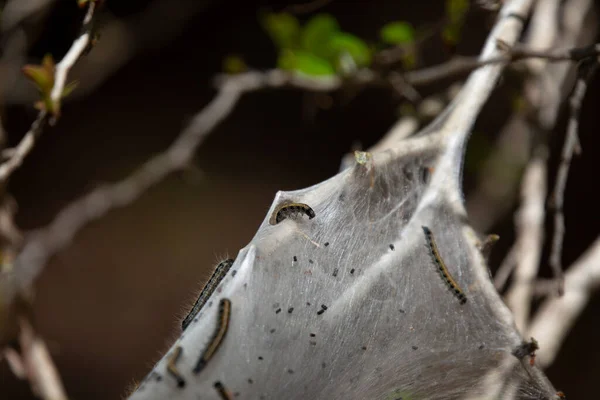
(35, 364)
(545, 88)
(586, 71)
(557, 315)
(529, 223)
(462, 65)
(18, 154)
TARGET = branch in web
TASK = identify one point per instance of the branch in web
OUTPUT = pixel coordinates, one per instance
(18, 154)
(571, 146)
(530, 237)
(557, 315)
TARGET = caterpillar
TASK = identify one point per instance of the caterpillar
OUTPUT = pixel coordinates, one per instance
(172, 368)
(208, 289)
(223, 392)
(442, 269)
(218, 336)
(287, 210)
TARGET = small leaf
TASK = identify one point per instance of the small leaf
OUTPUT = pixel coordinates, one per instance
(316, 34)
(346, 43)
(41, 75)
(398, 32)
(38, 75)
(68, 89)
(305, 63)
(233, 64)
(283, 28)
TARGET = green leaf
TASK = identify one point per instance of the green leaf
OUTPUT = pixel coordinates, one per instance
(42, 75)
(343, 44)
(398, 32)
(316, 34)
(304, 62)
(283, 28)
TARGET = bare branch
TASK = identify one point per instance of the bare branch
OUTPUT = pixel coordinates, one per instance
(18, 154)
(557, 315)
(585, 73)
(35, 364)
(75, 52)
(463, 65)
(530, 237)
(545, 88)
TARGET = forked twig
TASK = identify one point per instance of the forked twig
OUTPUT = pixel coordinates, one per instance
(571, 146)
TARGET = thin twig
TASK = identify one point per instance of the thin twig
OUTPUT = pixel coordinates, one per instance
(530, 237)
(35, 364)
(544, 89)
(462, 65)
(18, 154)
(75, 52)
(585, 73)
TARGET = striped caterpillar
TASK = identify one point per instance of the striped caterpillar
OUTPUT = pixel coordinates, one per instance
(218, 336)
(442, 269)
(208, 289)
(172, 368)
(290, 210)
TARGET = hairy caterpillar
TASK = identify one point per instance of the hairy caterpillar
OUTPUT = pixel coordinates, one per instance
(287, 210)
(172, 368)
(218, 336)
(208, 289)
(442, 269)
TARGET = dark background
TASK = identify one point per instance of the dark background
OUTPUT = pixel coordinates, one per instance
(110, 304)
